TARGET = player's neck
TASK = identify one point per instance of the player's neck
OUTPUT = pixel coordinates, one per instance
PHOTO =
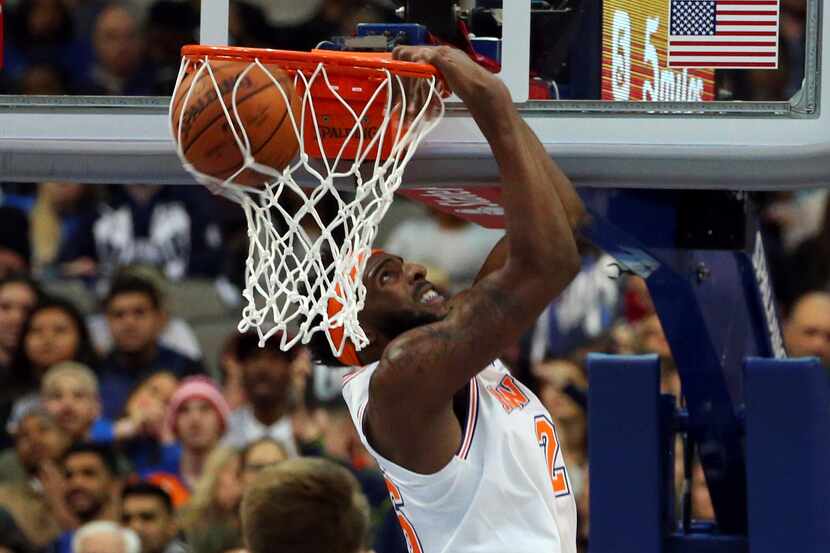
(374, 351)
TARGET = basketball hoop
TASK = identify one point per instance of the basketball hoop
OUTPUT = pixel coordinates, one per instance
(357, 119)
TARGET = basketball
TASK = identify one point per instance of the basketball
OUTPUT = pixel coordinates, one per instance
(207, 138)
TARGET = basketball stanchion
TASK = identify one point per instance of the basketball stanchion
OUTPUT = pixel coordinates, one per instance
(282, 133)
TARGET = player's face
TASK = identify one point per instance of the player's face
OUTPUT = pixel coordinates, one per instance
(398, 296)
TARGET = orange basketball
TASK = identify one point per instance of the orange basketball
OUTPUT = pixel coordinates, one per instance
(207, 139)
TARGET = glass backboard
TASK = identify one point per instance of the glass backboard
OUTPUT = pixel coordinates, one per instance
(591, 78)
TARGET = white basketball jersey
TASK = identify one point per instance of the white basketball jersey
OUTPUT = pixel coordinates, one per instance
(506, 489)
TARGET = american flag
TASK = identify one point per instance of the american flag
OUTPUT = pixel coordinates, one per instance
(724, 33)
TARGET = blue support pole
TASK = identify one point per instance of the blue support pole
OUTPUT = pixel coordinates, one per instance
(788, 455)
(702, 258)
(626, 449)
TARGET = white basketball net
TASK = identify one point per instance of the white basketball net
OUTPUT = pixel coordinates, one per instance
(299, 259)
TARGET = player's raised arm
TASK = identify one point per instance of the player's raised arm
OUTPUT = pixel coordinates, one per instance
(427, 365)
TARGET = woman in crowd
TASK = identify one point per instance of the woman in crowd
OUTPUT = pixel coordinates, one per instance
(54, 332)
(195, 421)
(210, 520)
(258, 455)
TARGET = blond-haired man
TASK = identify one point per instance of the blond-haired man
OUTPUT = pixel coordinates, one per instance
(305, 505)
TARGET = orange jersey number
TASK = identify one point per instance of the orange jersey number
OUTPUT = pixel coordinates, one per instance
(546, 437)
(413, 544)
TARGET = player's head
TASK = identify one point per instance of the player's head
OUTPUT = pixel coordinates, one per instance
(305, 505)
(398, 298)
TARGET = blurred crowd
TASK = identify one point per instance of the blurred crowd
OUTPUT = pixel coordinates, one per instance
(133, 47)
(125, 401)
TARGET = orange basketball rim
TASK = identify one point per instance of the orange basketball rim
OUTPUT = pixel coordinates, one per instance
(352, 86)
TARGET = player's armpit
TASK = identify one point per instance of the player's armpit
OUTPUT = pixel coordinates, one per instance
(420, 441)
(496, 259)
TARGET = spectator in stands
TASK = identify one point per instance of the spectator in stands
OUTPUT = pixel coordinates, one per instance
(91, 487)
(210, 520)
(59, 217)
(43, 79)
(41, 32)
(341, 443)
(103, 536)
(149, 401)
(584, 312)
(260, 454)
(84, 15)
(27, 471)
(18, 296)
(69, 392)
(233, 388)
(702, 508)
(583, 518)
(267, 378)
(196, 418)
(638, 302)
(248, 25)
(148, 511)
(807, 329)
(118, 67)
(150, 452)
(15, 252)
(808, 267)
(650, 338)
(54, 332)
(12, 539)
(37, 438)
(177, 334)
(340, 439)
(305, 505)
(136, 317)
(303, 25)
(170, 25)
(445, 241)
(173, 229)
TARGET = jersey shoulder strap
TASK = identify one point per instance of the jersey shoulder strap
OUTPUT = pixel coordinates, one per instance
(356, 394)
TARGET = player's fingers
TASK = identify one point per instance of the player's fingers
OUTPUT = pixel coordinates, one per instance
(416, 54)
(402, 53)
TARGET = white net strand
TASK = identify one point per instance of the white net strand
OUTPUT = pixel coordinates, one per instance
(297, 259)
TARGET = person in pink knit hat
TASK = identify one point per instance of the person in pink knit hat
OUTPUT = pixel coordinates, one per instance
(196, 419)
